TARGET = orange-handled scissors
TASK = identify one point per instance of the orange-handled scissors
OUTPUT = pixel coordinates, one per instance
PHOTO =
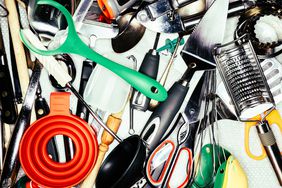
(173, 157)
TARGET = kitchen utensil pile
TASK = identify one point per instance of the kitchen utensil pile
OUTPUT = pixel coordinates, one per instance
(89, 96)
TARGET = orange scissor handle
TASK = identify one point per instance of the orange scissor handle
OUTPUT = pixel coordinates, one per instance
(273, 118)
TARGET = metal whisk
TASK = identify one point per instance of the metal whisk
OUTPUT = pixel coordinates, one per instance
(243, 77)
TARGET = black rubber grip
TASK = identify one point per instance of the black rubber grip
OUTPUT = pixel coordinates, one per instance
(150, 64)
(163, 116)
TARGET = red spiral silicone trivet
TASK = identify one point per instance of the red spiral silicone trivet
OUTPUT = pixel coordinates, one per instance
(34, 157)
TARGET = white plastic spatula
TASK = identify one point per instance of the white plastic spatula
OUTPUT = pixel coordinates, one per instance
(105, 90)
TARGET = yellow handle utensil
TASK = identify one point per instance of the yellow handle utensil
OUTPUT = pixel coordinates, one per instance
(272, 118)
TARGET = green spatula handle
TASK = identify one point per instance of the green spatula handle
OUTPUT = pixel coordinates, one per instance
(74, 45)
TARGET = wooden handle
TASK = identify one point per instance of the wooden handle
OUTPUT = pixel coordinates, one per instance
(19, 51)
(113, 122)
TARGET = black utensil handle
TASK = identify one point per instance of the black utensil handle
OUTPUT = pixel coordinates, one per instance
(269, 142)
(157, 125)
(149, 67)
(15, 74)
(41, 108)
(11, 162)
(87, 69)
(6, 92)
(150, 64)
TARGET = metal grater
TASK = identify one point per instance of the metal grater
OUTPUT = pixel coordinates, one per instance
(243, 77)
(273, 73)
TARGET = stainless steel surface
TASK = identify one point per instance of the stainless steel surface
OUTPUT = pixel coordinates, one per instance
(223, 111)
(161, 16)
(242, 75)
(208, 33)
(181, 3)
(11, 161)
(130, 33)
(269, 142)
(89, 28)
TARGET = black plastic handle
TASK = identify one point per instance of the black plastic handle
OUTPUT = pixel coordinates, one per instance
(149, 67)
(41, 107)
(87, 69)
(157, 126)
(6, 92)
(150, 64)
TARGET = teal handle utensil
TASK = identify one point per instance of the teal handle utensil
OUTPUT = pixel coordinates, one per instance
(74, 45)
(170, 45)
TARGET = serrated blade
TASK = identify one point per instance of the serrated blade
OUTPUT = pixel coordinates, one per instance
(208, 33)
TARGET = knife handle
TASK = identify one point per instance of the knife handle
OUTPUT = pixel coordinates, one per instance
(42, 109)
(6, 92)
(157, 126)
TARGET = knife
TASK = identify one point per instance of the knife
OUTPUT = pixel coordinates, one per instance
(87, 69)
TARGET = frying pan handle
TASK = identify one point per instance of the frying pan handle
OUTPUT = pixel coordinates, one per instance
(59, 103)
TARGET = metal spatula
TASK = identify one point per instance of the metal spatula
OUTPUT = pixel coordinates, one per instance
(197, 52)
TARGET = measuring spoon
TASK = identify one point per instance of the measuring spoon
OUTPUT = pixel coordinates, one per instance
(74, 45)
